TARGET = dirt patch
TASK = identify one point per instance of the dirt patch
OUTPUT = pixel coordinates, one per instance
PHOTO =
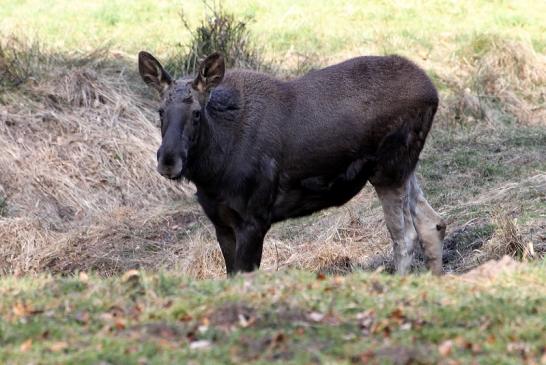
(492, 269)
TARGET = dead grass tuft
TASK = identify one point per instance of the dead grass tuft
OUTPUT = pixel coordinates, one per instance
(24, 242)
(508, 240)
(500, 80)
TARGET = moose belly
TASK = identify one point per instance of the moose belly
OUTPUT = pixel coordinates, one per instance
(296, 198)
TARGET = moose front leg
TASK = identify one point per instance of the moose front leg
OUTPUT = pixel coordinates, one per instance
(250, 240)
(222, 218)
(226, 239)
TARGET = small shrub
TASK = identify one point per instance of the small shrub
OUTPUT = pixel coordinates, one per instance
(19, 61)
(219, 32)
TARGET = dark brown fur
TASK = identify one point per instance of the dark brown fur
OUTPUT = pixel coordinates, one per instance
(261, 150)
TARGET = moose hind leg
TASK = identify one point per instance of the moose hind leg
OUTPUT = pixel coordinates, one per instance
(396, 208)
(430, 227)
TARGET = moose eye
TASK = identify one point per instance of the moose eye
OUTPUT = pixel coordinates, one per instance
(196, 114)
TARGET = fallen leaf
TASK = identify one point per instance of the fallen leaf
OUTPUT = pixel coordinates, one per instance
(445, 348)
(130, 275)
(25, 346)
(365, 321)
(84, 278)
(185, 317)
(21, 309)
(120, 324)
(382, 326)
(461, 342)
(476, 348)
(245, 322)
(200, 345)
(397, 315)
(58, 346)
(519, 347)
(316, 316)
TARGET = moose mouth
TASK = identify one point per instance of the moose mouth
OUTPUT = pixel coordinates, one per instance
(177, 177)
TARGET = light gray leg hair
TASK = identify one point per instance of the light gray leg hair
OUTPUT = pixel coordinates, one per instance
(396, 208)
(430, 226)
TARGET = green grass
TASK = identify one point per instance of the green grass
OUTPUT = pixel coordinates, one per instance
(324, 28)
(289, 317)
(483, 158)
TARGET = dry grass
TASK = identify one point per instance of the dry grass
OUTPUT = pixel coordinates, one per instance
(79, 191)
(493, 78)
(76, 147)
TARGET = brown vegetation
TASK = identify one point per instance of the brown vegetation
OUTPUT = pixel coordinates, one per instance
(79, 191)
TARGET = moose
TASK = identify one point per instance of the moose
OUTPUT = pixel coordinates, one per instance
(261, 150)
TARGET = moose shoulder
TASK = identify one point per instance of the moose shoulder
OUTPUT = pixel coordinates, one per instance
(261, 150)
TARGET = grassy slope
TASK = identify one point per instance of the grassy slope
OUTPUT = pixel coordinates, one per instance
(318, 27)
(290, 317)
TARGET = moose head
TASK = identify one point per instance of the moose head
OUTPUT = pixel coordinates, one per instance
(181, 110)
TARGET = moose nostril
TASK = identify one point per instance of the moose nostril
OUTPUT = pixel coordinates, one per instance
(167, 160)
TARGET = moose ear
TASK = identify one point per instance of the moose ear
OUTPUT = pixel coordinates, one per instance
(211, 73)
(152, 72)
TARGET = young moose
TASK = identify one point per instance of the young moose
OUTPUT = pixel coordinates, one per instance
(261, 150)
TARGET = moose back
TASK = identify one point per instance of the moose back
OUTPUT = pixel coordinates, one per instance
(261, 150)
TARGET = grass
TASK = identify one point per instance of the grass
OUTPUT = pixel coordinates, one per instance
(484, 157)
(79, 193)
(289, 317)
(334, 28)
